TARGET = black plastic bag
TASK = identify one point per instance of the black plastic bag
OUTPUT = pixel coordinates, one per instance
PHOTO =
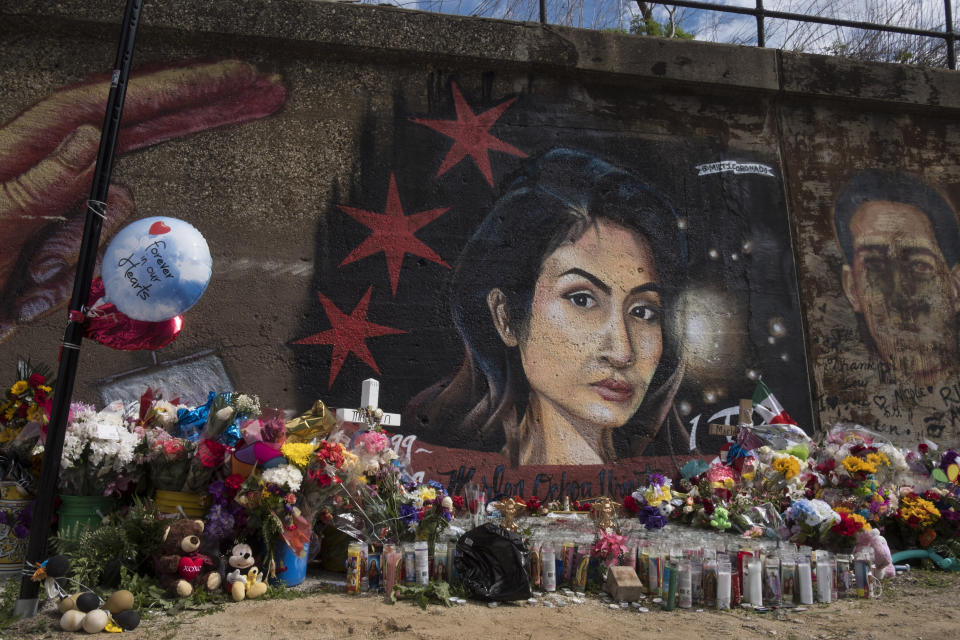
(493, 563)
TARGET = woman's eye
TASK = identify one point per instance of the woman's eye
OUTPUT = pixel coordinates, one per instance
(643, 312)
(582, 299)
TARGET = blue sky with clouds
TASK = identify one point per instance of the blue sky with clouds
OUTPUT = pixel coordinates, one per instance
(708, 25)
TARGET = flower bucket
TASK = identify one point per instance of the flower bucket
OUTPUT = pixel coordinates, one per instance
(81, 512)
(12, 548)
(194, 505)
(291, 567)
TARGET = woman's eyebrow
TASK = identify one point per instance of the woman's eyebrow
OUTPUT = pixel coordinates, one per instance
(589, 276)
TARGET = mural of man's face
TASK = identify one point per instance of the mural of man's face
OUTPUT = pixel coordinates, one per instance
(908, 295)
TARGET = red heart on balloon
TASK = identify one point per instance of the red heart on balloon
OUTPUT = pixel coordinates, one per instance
(189, 568)
(158, 228)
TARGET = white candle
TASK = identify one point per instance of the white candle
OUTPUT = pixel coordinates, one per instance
(548, 559)
(723, 587)
(422, 562)
(685, 587)
(755, 583)
(824, 578)
(804, 582)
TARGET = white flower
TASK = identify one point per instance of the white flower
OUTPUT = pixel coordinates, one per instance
(246, 405)
(285, 474)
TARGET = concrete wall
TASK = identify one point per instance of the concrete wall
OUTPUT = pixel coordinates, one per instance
(292, 134)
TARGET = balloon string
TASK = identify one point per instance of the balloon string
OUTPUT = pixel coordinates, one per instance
(99, 210)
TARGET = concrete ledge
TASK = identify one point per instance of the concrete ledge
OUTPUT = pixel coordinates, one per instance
(831, 77)
(366, 30)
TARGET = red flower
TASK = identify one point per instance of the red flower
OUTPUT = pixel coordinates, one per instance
(22, 411)
(707, 507)
(35, 380)
(847, 526)
(923, 447)
(827, 466)
(458, 503)
(630, 504)
(233, 481)
(533, 503)
(39, 396)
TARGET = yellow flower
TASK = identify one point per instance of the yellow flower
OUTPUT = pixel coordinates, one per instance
(863, 521)
(298, 453)
(854, 464)
(35, 413)
(18, 387)
(428, 493)
(788, 466)
(877, 458)
(45, 388)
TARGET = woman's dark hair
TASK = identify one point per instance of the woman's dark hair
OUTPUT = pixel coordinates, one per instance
(555, 200)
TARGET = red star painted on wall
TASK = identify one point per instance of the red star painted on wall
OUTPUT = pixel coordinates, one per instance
(393, 234)
(471, 135)
(348, 334)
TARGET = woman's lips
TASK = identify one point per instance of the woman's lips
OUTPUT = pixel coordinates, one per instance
(613, 390)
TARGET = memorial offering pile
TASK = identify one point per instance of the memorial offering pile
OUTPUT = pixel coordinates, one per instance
(212, 503)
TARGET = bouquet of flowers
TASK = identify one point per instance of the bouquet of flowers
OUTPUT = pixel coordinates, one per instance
(916, 519)
(220, 433)
(169, 459)
(269, 501)
(24, 413)
(97, 448)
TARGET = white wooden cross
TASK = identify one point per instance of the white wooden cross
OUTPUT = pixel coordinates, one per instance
(369, 400)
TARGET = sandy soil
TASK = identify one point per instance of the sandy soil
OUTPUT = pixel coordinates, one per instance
(914, 605)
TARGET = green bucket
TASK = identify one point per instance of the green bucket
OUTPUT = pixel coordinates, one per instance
(81, 512)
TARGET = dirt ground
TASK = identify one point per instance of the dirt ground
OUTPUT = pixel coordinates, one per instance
(918, 604)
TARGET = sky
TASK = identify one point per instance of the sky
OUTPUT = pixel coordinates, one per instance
(708, 25)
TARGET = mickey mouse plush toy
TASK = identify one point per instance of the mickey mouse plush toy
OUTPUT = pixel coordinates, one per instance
(245, 580)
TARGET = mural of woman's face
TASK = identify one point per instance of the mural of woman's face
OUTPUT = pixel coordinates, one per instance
(593, 338)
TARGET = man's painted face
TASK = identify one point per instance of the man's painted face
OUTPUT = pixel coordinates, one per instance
(900, 282)
(593, 338)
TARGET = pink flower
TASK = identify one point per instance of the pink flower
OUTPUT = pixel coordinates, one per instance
(372, 441)
(609, 546)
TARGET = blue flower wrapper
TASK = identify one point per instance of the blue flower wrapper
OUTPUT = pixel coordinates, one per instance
(191, 422)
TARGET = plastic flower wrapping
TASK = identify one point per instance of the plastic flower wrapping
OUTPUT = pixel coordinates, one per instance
(98, 446)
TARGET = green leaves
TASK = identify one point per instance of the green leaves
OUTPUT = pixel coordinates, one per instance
(436, 592)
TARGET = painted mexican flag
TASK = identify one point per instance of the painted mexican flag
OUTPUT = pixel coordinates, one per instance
(765, 403)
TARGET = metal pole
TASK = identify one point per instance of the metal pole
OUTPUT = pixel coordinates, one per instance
(27, 603)
(950, 38)
(543, 11)
(761, 35)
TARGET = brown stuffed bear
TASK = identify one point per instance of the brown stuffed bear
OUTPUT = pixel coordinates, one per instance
(179, 565)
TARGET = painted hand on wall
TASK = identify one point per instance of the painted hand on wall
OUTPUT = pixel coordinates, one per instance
(47, 158)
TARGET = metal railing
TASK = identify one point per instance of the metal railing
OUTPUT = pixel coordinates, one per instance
(761, 14)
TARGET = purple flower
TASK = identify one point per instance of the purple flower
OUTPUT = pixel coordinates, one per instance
(217, 489)
(948, 458)
(21, 531)
(408, 514)
(650, 517)
(658, 479)
(220, 523)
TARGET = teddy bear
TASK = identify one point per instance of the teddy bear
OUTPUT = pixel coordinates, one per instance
(180, 565)
(245, 580)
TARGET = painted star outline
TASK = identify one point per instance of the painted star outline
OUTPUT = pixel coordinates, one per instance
(471, 135)
(348, 334)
